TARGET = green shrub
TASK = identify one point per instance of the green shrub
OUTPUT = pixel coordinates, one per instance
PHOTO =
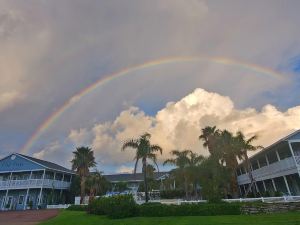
(115, 207)
(77, 208)
(201, 209)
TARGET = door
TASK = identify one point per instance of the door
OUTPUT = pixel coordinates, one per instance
(9, 201)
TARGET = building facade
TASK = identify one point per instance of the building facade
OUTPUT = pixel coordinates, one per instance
(133, 181)
(27, 182)
(274, 169)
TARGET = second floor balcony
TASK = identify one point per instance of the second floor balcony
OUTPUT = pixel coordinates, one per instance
(34, 183)
(280, 168)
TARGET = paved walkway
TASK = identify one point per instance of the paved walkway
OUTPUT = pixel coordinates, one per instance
(27, 217)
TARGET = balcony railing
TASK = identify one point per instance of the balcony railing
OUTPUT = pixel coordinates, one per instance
(280, 168)
(34, 183)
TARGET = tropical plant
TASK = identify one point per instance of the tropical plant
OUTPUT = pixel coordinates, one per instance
(184, 161)
(246, 145)
(96, 184)
(83, 160)
(144, 150)
(209, 137)
(213, 179)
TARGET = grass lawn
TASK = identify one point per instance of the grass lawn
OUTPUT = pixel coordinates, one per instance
(81, 218)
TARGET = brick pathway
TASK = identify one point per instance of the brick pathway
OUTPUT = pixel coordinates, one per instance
(27, 217)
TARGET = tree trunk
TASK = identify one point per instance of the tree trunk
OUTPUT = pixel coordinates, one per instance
(186, 186)
(234, 185)
(82, 189)
(249, 172)
(145, 179)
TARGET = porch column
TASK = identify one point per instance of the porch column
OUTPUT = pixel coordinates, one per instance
(274, 186)
(62, 180)
(5, 200)
(244, 188)
(292, 151)
(264, 185)
(258, 163)
(256, 187)
(25, 200)
(241, 194)
(287, 185)
(278, 157)
(267, 159)
(40, 195)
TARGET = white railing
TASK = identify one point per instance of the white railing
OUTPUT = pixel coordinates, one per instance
(61, 206)
(267, 171)
(297, 158)
(34, 183)
(262, 199)
(266, 199)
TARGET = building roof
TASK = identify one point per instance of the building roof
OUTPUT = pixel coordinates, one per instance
(46, 164)
(129, 177)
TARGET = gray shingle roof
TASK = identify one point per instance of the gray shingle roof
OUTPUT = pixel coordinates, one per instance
(129, 177)
(47, 164)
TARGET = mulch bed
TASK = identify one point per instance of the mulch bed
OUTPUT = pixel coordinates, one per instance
(27, 217)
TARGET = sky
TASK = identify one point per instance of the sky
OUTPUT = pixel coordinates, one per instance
(246, 76)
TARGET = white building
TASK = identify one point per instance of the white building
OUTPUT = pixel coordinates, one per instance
(275, 168)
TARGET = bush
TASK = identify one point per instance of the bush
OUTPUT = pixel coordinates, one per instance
(201, 209)
(115, 207)
(77, 208)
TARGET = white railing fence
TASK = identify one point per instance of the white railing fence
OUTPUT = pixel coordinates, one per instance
(61, 206)
(262, 199)
(31, 183)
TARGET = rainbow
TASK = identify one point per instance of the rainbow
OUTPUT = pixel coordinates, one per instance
(107, 78)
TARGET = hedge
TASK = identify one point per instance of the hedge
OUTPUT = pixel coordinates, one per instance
(200, 209)
(120, 206)
(123, 206)
(77, 207)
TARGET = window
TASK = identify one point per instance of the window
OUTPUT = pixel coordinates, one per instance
(284, 152)
(272, 157)
(21, 199)
(262, 161)
(296, 148)
(254, 164)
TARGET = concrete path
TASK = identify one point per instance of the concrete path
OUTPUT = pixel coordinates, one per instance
(27, 217)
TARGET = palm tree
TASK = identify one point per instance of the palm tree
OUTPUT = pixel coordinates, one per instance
(246, 145)
(95, 183)
(82, 161)
(229, 149)
(194, 161)
(209, 136)
(144, 150)
(182, 162)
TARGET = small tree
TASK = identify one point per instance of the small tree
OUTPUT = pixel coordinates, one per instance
(82, 161)
(144, 150)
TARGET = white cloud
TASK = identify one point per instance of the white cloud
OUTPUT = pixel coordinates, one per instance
(51, 50)
(178, 125)
(50, 150)
(125, 169)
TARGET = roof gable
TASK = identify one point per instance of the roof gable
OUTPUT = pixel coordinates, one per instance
(294, 136)
(14, 162)
(47, 164)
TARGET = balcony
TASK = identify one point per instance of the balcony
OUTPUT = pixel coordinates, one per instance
(280, 168)
(34, 183)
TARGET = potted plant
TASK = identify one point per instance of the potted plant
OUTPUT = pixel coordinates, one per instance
(30, 205)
